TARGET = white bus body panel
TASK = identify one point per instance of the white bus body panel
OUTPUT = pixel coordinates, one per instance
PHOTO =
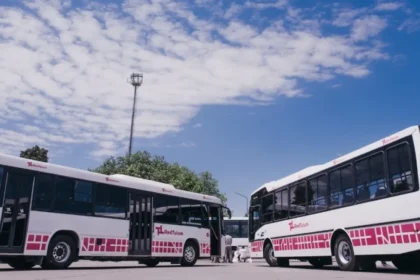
(114, 233)
(382, 227)
(311, 235)
(240, 242)
(168, 240)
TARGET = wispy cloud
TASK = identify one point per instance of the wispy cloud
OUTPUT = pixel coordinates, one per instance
(198, 125)
(260, 4)
(389, 6)
(411, 24)
(367, 27)
(188, 144)
(63, 70)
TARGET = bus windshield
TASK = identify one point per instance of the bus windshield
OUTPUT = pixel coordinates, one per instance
(236, 228)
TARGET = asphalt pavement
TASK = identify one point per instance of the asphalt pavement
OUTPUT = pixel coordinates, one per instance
(203, 270)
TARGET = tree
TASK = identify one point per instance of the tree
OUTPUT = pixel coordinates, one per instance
(143, 165)
(35, 153)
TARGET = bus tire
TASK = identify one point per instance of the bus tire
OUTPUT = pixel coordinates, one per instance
(344, 254)
(61, 253)
(190, 254)
(269, 255)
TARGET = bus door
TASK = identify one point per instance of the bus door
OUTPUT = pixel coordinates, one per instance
(254, 222)
(217, 234)
(215, 231)
(17, 189)
(141, 224)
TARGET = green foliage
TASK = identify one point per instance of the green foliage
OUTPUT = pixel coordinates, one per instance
(142, 164)
(35, 153)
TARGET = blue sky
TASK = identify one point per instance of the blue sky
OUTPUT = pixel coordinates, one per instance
(249, 90)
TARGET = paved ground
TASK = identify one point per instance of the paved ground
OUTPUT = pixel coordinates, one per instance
(204, 270)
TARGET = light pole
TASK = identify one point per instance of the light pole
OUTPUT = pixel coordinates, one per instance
(244, 196)
(135, 80)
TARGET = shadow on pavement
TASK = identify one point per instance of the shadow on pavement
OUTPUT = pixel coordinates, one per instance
(334, 268)
(39, 269)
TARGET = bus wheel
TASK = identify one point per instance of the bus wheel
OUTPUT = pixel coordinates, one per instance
(269, 255)
(61, 253)
(190, 255)
(344, 254)
(150, 262)
(20, 263)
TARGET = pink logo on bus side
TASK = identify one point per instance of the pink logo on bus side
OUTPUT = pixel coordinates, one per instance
(111, 180)
(160, 231)
(389, 140)
(31, 164)
(293, 226)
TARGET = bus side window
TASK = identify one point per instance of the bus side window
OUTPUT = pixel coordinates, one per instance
(341, 187)
(317, 194)
(370, 178)
(44, 186)
(281, 205)
(166, 209)
(110, 201)
(70, 197)
(1, 186)
(204, 215)
(190, 211)
(267, 208)
(399, 167)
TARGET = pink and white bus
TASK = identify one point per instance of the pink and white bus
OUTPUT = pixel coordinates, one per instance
(360, 208)
(53, 216)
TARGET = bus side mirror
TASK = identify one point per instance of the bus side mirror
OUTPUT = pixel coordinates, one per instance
(228, 212)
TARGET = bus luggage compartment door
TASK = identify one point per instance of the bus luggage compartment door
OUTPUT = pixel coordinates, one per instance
(17, 187)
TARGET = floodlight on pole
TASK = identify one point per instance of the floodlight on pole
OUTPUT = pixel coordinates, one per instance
(136, 80)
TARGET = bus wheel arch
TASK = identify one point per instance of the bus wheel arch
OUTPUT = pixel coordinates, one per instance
(343, 250)
(71, 234)
(268, 252)
(334, 237)
(190, 244)
(62, 250)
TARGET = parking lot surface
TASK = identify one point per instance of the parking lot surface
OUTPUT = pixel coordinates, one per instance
(204, 270)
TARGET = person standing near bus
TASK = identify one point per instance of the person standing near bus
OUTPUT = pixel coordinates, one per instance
(228, 250)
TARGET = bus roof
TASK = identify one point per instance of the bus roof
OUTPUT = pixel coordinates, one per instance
(116, 179)
(270, 186)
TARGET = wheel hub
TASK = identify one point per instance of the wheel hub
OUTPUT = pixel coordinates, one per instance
(344, 253)
(189, 254)
(61, 252)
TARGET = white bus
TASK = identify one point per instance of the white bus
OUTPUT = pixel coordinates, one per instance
(52, 216)
(360, 208)
(237, 228)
